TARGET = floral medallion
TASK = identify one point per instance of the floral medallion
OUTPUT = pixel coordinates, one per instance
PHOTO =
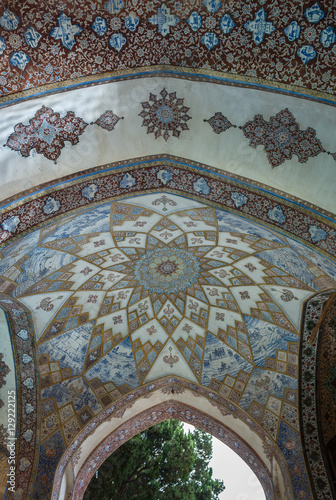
(282, 138)
(108, 120)
(164, 116)
(219, 123)
(46, 133)
(167, 270)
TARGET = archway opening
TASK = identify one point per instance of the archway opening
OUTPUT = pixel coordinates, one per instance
(173, 459)
(240, 481)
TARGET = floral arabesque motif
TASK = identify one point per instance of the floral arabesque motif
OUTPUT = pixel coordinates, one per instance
(282, 138)
(167, 270)
(166, 114)
(108, 120)
(4, 370)
(46, 133)
(219, 123)
(60, 62)
(27, 398)
(311, 422)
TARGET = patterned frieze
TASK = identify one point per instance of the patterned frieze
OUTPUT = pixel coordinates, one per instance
(165, 115)
(315, 412)
(279, 44)
(27, 395)
(278, 211)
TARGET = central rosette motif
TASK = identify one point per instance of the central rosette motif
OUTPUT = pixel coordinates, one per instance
(166, 270)
(164, 115)
(167, 267)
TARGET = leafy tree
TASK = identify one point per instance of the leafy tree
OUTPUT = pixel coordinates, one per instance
(160, 463)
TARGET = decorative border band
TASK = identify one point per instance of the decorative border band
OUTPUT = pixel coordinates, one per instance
(186, 73)
(285, 214)
(27, 393)
(313, 315)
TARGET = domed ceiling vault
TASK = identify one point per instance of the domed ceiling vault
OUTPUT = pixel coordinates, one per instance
(167, 237)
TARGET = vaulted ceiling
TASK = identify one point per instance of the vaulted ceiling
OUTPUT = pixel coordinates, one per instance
(167, 234)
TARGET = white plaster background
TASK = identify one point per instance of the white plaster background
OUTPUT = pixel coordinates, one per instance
(229, 151)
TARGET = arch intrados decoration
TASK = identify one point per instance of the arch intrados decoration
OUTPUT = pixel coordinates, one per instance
(313, 332)
(139, 176)
(27, 392)
(158, 412)
(155, 165)
(314, 311)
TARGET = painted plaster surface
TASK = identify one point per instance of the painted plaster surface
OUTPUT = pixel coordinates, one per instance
(71, 122)
(7, 379)
(190, 252)
(131, 291)
(8, 401)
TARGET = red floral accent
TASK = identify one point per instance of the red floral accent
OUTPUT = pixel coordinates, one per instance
(92, 298)
(46, 303)
(170, 360)
(151, 330)
(99, 243)
(219, 123)
(87, 270)
(250, 267)
(46, 133)
(187, 328)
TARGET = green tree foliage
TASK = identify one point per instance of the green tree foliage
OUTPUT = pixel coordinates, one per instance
(160, 463)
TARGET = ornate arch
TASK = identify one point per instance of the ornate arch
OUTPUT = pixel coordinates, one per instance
(179, 399)
(316, 390)
(162, 175)
(26, 394)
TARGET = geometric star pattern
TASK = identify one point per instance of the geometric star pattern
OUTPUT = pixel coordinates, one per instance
(105, 287)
